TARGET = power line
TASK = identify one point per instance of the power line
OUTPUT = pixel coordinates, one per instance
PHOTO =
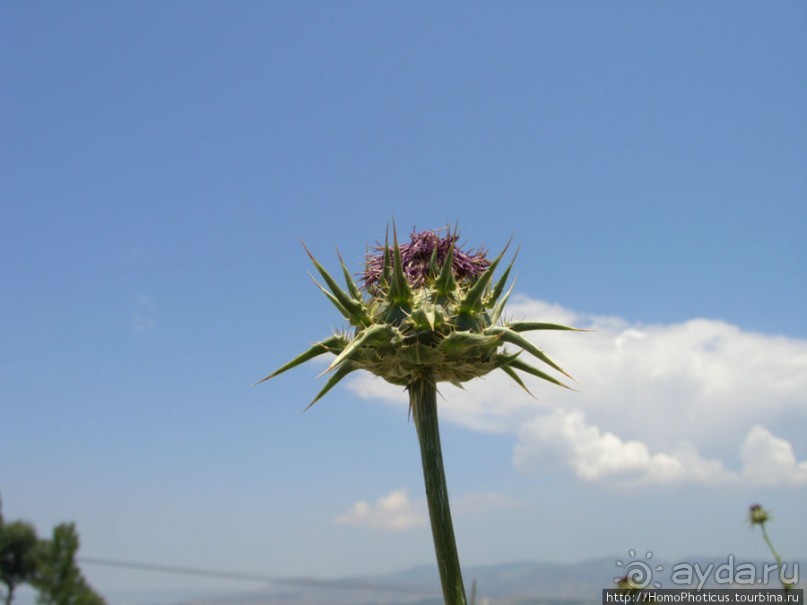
(346, 584)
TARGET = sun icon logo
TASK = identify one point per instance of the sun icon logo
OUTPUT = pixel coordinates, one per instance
(638, 573)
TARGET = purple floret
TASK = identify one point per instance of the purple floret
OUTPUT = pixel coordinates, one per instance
(416, 254)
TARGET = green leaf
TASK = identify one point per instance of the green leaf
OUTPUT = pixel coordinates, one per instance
(399, 290)
(498, 308)
(424, 317)
(525, 326)
(445, 283)
(460, 341)
(333, 299)
(334, 344)
(465, 321)
(433, 262)
(396, 313)
(508, 335)
(418, 355)
(525, 367)
(499, 287)
(355, 308)
(471, 302)
(337, 376)
(377, 334)
(512, 374)
(351, 284)
(386, 269)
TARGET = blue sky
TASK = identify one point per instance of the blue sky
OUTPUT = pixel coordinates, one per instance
(161, 162)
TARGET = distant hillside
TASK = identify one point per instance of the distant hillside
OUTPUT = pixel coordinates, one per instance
(520, 583)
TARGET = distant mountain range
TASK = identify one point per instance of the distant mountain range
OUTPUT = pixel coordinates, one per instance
(522, 583)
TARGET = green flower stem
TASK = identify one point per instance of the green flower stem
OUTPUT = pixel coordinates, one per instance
(770, 546)
(776, 556)
(423, 402)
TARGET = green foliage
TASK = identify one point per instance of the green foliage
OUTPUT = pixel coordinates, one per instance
(18, 555)
(47, 565)
(59, 580)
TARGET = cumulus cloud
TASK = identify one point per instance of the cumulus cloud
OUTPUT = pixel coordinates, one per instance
(694, 401)
(565, 440)
(769, 460)
(392, 512)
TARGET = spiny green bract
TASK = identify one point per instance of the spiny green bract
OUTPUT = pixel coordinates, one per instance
(426, 311)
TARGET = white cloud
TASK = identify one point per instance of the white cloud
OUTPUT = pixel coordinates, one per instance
(565, 439)
(668, 403)
(397, 512)
(392, 512)
(769, 460)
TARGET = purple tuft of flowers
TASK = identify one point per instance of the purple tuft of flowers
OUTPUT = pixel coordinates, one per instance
(416, 254)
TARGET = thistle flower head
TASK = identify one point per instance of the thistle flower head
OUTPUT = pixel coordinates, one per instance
(426, 310)
(422, 254)
(626, 586)
(757, 515)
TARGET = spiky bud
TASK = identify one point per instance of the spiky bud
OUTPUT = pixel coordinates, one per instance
(757, 515)
(426, 310)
